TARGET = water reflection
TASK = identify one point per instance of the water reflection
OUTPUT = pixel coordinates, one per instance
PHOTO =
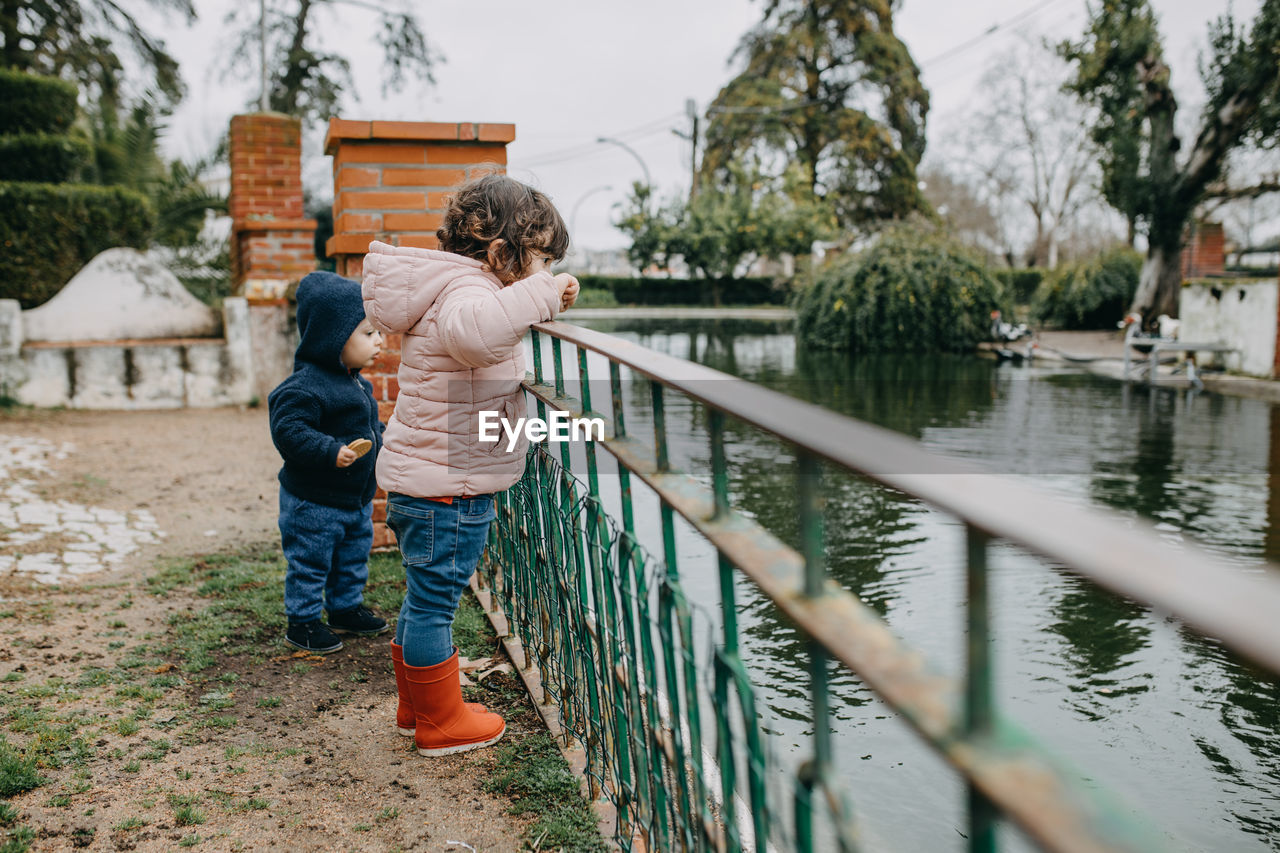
(1121, 692)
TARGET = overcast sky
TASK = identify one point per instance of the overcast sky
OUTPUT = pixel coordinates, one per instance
(569, 71)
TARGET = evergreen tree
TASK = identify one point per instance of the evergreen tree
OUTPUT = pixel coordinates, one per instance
(79, 41)
(309, 82)
(828, 85)
(1120, 69)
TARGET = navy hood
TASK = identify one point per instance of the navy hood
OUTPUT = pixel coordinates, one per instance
(329, 309)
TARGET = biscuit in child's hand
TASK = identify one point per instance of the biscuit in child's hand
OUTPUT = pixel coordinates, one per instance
(361, 446)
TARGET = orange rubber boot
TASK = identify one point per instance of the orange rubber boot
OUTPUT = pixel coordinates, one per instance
(404, 708)
(444, 725)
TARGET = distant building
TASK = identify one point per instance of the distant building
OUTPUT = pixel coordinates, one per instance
(610, 262)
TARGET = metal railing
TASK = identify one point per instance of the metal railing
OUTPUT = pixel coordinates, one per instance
(611, 630)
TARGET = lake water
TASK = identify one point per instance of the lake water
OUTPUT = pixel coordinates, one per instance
(1181, 731)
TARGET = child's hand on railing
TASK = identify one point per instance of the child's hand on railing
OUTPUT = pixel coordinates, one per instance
(568, 287)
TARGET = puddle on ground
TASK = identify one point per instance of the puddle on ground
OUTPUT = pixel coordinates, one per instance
(54, 541)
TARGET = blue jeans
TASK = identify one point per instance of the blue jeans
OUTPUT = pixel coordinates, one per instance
(440, 546)
(327, 549)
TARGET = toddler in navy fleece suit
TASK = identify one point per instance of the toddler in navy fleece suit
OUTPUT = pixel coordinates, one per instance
(326, 488)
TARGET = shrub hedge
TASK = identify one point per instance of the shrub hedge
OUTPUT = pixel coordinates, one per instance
(49, 232)
(43, 158)
(687, 291)
(33, 104)
(1020, 285)
(1088, 295)
(913, 291)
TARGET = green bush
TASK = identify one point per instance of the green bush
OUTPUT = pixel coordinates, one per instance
(49, 232)
(35, 104)
(1020, 285)
(43, 158)
(685, 291)
(914, 290)
(1088, 295)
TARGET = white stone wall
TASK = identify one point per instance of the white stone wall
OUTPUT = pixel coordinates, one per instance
(136, 374)
(1240, 313)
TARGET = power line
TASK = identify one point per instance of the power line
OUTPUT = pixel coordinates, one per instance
(988, 32)
(592, 148)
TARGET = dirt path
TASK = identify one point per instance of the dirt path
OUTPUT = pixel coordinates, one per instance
(264, 750)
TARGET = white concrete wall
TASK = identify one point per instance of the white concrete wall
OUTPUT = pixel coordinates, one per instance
(164, 374)
(1241, 313)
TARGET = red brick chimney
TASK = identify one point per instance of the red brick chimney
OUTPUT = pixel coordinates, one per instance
(1205, 253)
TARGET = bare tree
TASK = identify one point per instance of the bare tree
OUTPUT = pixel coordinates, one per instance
(1030, 147)
(959, 206)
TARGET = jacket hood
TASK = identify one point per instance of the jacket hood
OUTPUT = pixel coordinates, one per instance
(402, 282)
(329, 309)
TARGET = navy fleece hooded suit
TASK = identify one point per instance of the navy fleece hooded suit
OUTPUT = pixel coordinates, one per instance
(326, 526)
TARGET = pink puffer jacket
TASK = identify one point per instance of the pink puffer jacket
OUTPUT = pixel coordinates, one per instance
(461, 356)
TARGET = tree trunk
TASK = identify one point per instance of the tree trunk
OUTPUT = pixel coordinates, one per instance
(284, 97)
(1159, 285)
(13, 53)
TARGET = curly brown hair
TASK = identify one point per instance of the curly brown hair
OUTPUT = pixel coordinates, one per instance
(502, 222)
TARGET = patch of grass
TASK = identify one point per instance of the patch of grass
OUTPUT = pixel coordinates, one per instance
(132, 767)
(216, 722)
(269, 702)
(130, 823)
(59, 801)
(389, 813)
(17, 771)
(127, 727)
(8, 814)
(188, 816)
(134, 691)
(190, 841)
(384, 591)
(538, 781)
(254, 804)
(18, 840)
(11, 676)
(361, 827)
(157, 749)
(471, 631)
(116, 623)
(246, 592)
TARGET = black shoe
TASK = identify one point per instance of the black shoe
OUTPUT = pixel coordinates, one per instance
(313, 637)
(357, 620)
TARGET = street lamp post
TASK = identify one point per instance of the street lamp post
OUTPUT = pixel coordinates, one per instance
(573, 215)
(648, 181)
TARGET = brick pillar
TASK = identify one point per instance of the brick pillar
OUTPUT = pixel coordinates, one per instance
(1205, 253)
(390, 179)
(272, 245)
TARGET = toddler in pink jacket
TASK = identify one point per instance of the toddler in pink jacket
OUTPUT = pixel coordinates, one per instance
(463, 310)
